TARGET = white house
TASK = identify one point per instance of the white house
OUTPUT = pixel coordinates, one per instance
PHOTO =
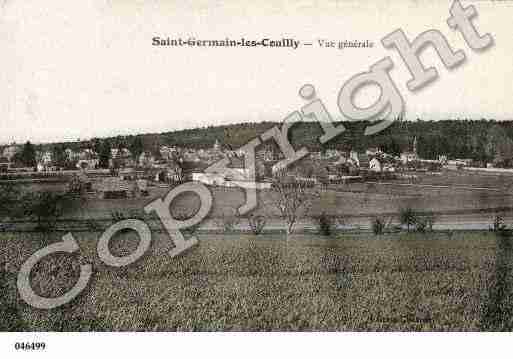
(213, 179)
(375, 165)
(44, 161)
(5, 164)
(359, 159)
(88, 159)
(146, 159)
(407, 157)
(71, 155)
(10, 151)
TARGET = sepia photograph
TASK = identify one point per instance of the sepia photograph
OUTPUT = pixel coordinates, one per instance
(278, 174)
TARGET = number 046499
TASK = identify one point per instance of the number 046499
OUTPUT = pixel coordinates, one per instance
(29, 346)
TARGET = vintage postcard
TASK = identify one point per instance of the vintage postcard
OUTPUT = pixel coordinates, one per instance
(272, 166)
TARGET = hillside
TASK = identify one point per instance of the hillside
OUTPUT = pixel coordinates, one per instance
(477, 139)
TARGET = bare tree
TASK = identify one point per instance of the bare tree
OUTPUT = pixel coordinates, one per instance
(292, 198)
(408, 217)
(46, 208)
(256, 223)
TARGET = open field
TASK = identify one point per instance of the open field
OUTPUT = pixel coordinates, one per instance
(239, 282)
(455, 208)
(460, 201)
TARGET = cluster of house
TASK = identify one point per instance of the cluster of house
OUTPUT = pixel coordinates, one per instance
(336, 164)
(176, 164)
(86, 159)
(129, 176)
(6, 157)
(198, 159)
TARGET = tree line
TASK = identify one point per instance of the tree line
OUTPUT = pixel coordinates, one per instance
(482, 140)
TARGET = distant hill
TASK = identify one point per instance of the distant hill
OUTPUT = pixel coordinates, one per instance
(455, 138)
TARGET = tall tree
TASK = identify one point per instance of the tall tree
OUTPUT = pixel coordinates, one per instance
(499, 146)
(59, 157)
(121, 144)
(28, 155)
(292, 199)
(46, 208)
(95, 144)
(104, 154)
(136, 147)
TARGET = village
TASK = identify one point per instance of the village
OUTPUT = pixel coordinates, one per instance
(128, 175)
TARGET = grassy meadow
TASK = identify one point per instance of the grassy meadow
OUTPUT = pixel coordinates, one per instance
(454, 281)
(454, 192)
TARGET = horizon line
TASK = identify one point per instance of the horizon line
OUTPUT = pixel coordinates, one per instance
(103, 137)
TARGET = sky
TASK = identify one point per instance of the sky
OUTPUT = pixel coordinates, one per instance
(88, 69)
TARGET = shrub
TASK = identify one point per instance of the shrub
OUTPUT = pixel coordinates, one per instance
(430, 220)
(421, 225)
(408, 217)
(256, 223)
(46, 208)
(498, 225)
(417, 221)
(425, 222)
(325, 223)
(379, 225)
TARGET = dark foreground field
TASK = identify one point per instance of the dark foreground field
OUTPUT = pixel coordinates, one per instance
(437, 281)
